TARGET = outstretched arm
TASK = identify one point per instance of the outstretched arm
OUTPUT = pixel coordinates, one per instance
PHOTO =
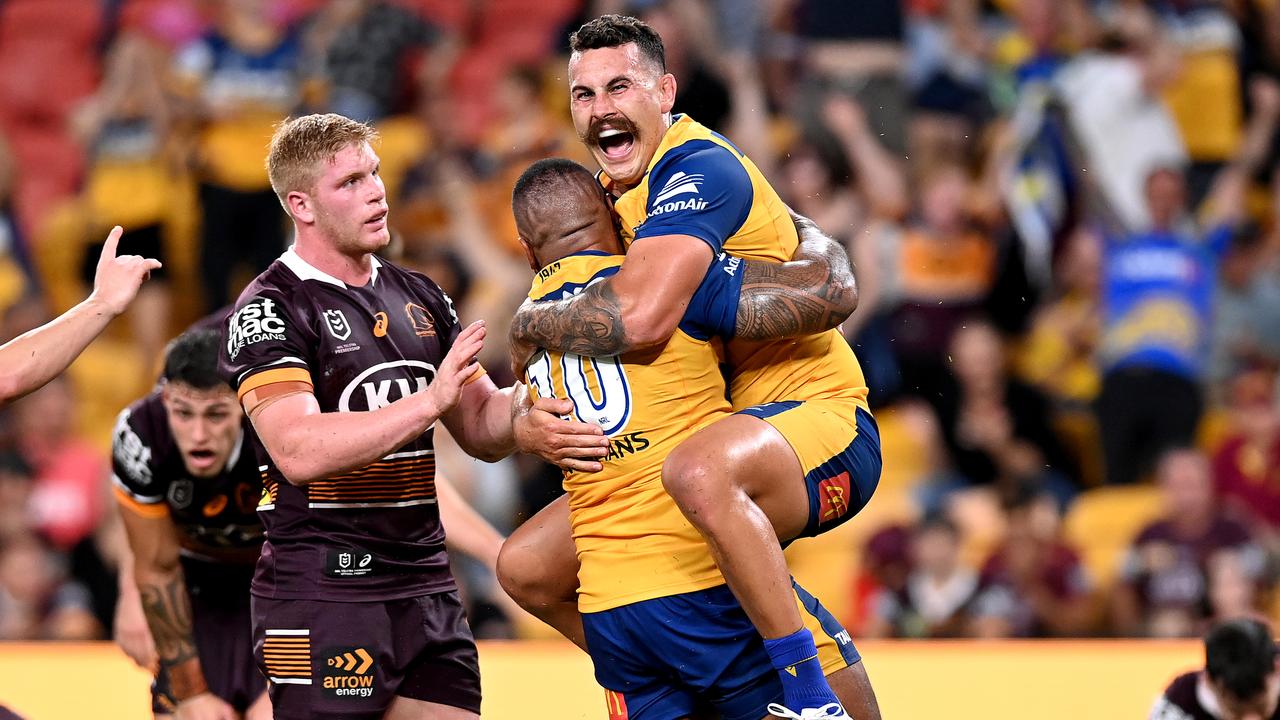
(813, 292)
(36, 357)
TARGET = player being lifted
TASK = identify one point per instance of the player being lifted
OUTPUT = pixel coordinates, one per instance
(344, 363)
(801, 455)
(665, 633)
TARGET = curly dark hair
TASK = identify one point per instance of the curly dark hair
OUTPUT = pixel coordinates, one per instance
(608, 31)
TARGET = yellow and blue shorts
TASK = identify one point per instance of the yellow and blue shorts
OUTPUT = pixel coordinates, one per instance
(669, 657)
(838, 445)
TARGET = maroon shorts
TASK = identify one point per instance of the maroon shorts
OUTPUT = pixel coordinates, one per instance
(222, 624)
(349, 660)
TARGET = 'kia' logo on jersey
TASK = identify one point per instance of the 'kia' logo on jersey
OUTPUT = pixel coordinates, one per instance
(383, 384)
(380, 324)
(337, 324)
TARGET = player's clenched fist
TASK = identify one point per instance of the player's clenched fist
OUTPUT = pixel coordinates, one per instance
(117, 279)
(456, 368)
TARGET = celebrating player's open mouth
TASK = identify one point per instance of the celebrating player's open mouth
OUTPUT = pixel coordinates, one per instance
(615, 143)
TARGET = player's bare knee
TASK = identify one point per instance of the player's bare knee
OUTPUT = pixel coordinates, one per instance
(518, 575)
(692, 482)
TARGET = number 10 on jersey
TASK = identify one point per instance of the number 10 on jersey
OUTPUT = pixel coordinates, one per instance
(597, 387)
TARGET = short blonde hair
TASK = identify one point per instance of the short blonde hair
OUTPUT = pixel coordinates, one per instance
(300, 143)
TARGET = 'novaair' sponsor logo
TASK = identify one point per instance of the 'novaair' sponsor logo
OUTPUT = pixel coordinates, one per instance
(383, 384)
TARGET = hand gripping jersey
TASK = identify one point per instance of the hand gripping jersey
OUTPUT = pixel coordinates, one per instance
(373, 533)
(699, 184)
(632, 540)
(148, 475)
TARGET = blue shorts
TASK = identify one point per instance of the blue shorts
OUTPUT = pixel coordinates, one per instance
(664, 659)
(838, 445)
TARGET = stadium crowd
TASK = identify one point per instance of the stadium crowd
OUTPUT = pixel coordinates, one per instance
(1063, 214)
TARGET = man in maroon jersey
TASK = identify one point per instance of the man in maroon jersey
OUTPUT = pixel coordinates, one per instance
(344, 363)
(1240, 680)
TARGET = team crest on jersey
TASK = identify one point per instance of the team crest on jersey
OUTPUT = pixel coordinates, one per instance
(256, 322)
(181, 493)
(420, 318)
(337, 324)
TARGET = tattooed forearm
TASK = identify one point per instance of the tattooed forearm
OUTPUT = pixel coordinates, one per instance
(813, 292)
(168, 610)
(589, 323)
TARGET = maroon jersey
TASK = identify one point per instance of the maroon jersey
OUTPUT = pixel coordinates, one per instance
(211, 514)
(373, 533)
(1188, 698)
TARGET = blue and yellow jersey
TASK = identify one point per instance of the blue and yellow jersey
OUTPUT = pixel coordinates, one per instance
(632, 540)
(699, 184)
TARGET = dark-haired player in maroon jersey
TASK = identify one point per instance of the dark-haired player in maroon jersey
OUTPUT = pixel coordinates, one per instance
(1240, 680)
(187, 480)
(344, 363)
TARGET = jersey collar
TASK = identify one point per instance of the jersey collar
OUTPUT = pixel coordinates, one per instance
(234, 457)
(306, 271)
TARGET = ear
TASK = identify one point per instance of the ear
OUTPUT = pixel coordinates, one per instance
(165, 395)
(528, 254)
(667, 92)
(300, 206)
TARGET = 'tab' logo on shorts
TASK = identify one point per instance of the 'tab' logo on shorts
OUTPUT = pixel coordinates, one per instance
(348, 672)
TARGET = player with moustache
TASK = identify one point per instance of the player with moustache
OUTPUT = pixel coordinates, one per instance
(801, 455)
(666, 635)
(344, 363)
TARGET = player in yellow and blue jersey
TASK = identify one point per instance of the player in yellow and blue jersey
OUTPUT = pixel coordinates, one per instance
(801, 455)
(665, 633)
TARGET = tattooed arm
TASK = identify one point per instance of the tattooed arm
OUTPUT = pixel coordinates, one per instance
(813, 292)
(639, 307)
(167, 606)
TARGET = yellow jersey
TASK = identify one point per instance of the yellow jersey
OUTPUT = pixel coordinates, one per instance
(632, 540)
(699, 184)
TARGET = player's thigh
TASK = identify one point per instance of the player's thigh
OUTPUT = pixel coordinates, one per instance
(538, 563)
(740, 453)
(853, 687)
(403, 708)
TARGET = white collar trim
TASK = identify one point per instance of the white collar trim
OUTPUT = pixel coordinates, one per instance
(306, 271)
(234, 457)
(1206, 698)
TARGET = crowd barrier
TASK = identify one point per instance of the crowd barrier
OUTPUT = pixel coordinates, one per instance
(537, 680)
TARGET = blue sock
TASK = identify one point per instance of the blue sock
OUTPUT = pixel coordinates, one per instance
(795, 657)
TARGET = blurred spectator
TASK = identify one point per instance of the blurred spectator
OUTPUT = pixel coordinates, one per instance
(13, 274)
(1246, 467)
(1033, 585)
(1233, 591)
(70, 490)
(1124, 130)
(935, 598)
(1158, 289)
(885, 567)
(16, 483)
(1163, 589)
(859, 54)
(125, 127)
(240, 79)
(364, 49)
(929, 275)
(37, 602)
(1246, 313)
(996, 428)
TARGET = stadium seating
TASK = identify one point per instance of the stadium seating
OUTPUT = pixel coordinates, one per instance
(1103, 522)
